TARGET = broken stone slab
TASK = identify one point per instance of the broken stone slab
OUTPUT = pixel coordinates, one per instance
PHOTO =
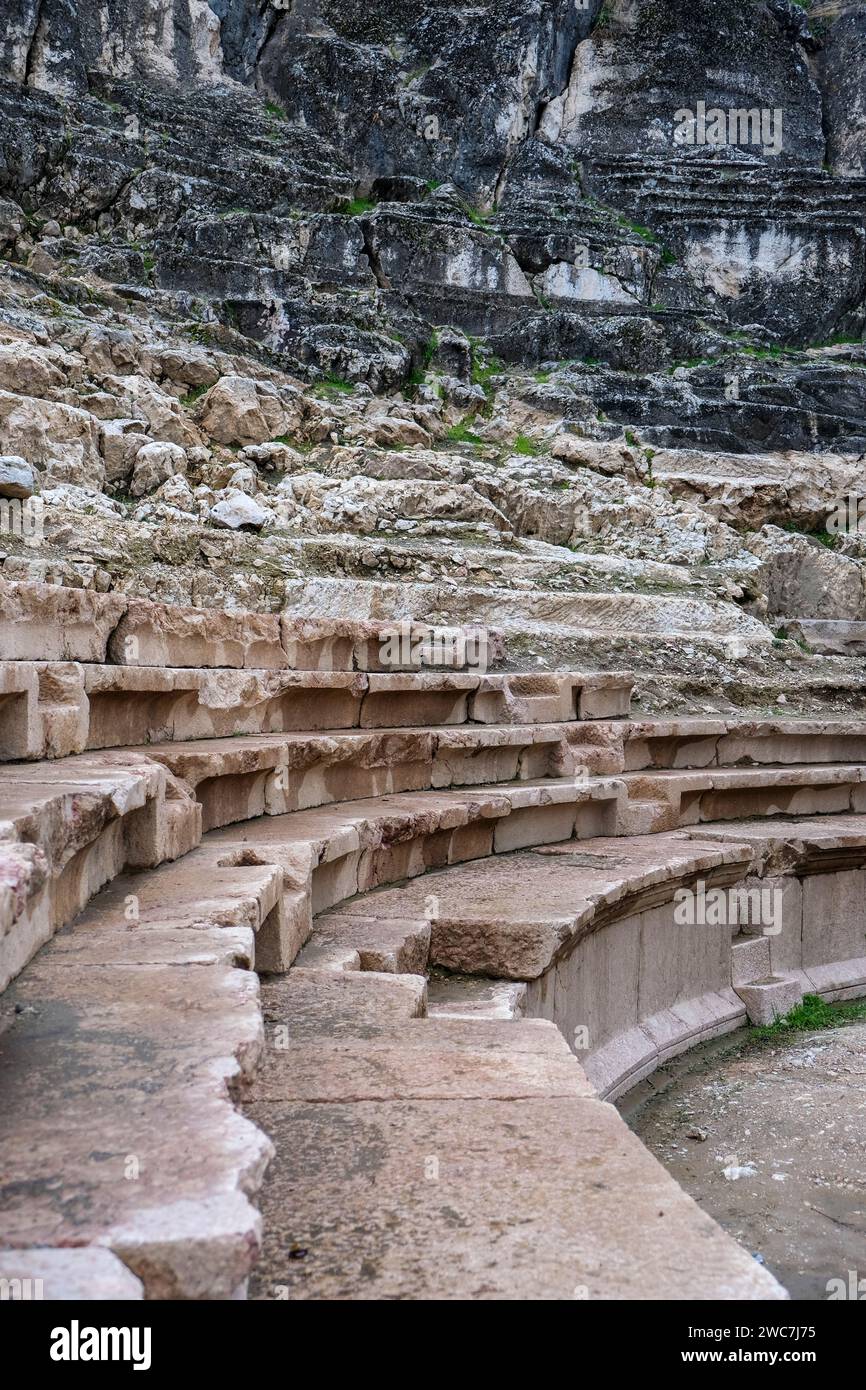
(391, 947)
(829, 636)
(89, 1275)
(206, 887)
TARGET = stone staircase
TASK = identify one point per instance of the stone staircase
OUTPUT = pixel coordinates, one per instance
(462, 888)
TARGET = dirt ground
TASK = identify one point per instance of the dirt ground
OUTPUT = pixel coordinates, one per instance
(782, 1166)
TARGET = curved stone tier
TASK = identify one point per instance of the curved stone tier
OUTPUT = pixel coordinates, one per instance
(476, 831)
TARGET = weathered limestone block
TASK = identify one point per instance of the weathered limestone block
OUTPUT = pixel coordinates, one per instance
(396, 700)
(25, 919)
(152, 634)
(357, 943)
(750, 960)
(70, 827)
(240, 410)
(155, 464)
(667, 798)
(767, 1000)
(48, 432)
(44, 622)
(142, 399)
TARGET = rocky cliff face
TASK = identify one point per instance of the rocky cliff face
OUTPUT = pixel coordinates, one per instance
(510, 158)
(554, 296)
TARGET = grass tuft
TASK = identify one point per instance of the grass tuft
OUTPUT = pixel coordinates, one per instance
(812, 1013)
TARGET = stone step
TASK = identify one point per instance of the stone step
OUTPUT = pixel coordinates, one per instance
(40, 622)
(611, 614)
(813, 870)
(471, 1132)
(56, 709)
(750, 959)
(89, 1275)
(692, 796)
(342, 942)
(338, 1049)
(74, 825)
(238, 779)
(202, 890)
(771, 998)
(634, 945)
(118, 1049)
(512, 917)
(765, 995)
(638, 744)
(422, 1059)
(68, 828)
(465, 996)
(466, 1198)
(338, 1004)
(334, 852)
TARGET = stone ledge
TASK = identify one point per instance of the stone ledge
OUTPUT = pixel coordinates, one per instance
(662, 800)
(40, 622)
(700, 744)
(55, 709)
